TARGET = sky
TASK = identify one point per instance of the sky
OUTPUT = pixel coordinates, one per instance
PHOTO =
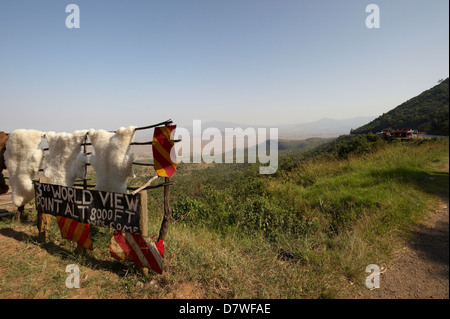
(255, 62)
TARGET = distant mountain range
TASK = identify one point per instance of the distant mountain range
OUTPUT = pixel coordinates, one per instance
(325, 127)
(427, 112)
(291, 137)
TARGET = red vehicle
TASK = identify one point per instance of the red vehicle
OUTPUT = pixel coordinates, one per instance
(403, 134)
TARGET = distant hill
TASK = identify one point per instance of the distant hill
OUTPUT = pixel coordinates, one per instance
(427, 112)
(301, 145)
(324, 127)
(288, 146)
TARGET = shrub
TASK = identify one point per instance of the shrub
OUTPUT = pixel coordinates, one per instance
(359, 145)
(189, 210)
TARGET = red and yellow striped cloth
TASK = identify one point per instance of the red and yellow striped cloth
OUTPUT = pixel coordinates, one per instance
(162, 146)
(141, 250)
(75, 231)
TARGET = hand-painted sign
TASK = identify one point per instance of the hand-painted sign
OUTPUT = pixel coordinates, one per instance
(141, 250)
(75, 231)
(163, 153)
(104, 209)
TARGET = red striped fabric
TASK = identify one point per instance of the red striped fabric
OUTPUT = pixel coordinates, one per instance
(75, 231)
(162, 145)
(86, 236)
(141, 250)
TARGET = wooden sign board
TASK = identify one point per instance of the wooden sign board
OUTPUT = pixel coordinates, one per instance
(99, 208)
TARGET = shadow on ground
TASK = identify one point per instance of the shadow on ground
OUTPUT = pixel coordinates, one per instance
(433, 243)
(119, 268)
(435, 183)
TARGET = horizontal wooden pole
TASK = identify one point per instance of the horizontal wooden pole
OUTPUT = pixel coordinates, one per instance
(76, 184)
(143, 164)
(141, 143)
(6, 203)
(89, 164)
(151, 187)
(134, 188)
(132, 143)
(169, 121)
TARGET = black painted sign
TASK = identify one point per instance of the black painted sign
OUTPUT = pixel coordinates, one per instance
(99, 208)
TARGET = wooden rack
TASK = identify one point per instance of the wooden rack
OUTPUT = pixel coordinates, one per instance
(43, 221)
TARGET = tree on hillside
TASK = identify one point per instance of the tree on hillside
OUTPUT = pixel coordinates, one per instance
(426, 112)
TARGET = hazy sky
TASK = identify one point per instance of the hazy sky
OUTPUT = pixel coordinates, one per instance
(256, 62)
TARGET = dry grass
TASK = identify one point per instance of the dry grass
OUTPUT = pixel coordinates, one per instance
(206, 261)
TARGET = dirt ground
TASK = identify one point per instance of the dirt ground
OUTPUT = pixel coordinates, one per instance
(5, 199)
(420, 269)
(14, 243)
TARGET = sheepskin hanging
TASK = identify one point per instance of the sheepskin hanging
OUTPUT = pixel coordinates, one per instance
(65, 162)
(111, 162)
(23, 159)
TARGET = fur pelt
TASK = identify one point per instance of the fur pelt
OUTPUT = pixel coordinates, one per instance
(64, 160)
(111, 162)
(23, 159)
(3, 139)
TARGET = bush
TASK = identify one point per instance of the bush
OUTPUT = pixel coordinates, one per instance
(189, 210)
(359, 145)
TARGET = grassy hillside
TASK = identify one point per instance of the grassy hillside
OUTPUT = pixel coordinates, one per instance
(308, 231)
(336, 148)
(428, 112)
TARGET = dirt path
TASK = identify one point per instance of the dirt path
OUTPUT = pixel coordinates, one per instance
(420, 270)
(6, 206)
(5, 199)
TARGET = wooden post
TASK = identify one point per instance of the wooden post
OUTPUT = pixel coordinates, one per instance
(143, 218)
(167, 212)
(43, 220)
(85, 165)
(19, 214)
(143, 221)
(80, 250)
(43, 227)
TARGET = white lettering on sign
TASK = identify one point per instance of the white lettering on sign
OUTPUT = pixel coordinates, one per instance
(105, 209)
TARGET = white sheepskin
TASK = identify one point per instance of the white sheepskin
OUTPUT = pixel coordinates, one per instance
(111, 162)
(23, 159)
(65, 162)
